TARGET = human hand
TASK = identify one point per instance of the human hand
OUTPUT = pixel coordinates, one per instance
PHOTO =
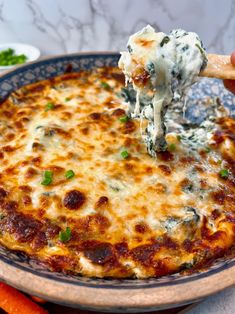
(230, 84)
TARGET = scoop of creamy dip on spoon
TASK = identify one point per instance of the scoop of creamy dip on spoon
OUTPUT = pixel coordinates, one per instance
(163, 66)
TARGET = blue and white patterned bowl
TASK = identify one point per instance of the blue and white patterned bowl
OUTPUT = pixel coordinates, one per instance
(108, 294)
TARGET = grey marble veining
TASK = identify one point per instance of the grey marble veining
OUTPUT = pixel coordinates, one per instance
(58, 26)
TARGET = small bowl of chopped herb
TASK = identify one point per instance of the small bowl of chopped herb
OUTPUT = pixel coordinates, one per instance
(14, 54)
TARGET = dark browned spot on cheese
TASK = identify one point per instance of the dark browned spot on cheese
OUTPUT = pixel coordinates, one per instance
(37, 146)
(218, 137)
(165, 156)
(122, 248)
(141, 227)
(95, 116)
(218, 196)
(74, 199)
(9, 206)
(215, 214)
(25, 188)
(23, 227)
(26, 199)
(188, 245)
(36, 160)
(99, 253)
(169, 243)
(186, 185)
(187, 160)
(30, 173)
(119, 112)
(166, 170)
(51, 230)
(128, 127)
(7, 113)
(59, 263)
(39, 241)
(119, 77)
(144, 253)
(36, 88)
(85, 130)
(160, 188)
(8, 148)
(102, 201)
(3, 193)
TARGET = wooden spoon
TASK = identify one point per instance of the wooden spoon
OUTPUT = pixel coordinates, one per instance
(219, 66)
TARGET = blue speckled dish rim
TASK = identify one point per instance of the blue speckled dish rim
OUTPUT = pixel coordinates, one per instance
(54, 66)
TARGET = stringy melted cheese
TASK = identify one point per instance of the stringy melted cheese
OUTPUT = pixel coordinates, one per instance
(165, 66)
(128, 217)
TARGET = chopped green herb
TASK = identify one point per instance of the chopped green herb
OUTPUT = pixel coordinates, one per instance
(105, 85)
(65, 236)
(67, 99)
(164, 41)
(219, 162)
(38, 127)
(8, 57)
(114, 188)
(179, 138)
(49, 106)
(124, 154)
(224, 173)
(200, 48)
(2, 216)
(207, 149)
(124, 118)
(69, 174)
(186, 266)
(172, 147)
(47, 177)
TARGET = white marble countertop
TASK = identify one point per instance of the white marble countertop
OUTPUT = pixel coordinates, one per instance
(220, 303)
(82, 25)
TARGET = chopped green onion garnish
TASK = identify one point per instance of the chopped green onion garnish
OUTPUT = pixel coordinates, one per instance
(124, 119)
(67, 99)
(178, 138)
(8, 57)
(49, 106)
(105, 85)
(47, 177)
(172, 147)
(69, 174)
(224, 173)
(124, 154)
(65, 236)
(207, 149)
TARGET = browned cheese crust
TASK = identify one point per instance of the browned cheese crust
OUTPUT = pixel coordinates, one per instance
(126, 216)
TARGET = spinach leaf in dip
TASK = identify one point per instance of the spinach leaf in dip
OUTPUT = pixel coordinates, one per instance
(162, 67)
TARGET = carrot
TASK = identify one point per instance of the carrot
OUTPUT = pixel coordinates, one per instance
(37, 299)
(14, 302)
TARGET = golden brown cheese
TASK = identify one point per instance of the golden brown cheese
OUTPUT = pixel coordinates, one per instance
(123, 213)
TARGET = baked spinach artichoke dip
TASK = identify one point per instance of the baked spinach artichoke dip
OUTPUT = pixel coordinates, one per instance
(103, 179)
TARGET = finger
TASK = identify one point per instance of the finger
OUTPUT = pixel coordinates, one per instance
(233, 58)
(230, 84)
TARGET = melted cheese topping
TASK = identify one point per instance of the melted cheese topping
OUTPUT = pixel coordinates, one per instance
(166, 66)
(120, 215)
